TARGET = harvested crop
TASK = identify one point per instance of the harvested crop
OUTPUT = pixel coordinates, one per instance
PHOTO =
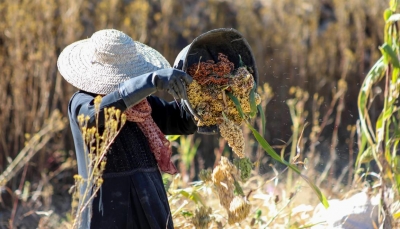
(239, 209)
(223, 177)
(233, 134)
(216, 93)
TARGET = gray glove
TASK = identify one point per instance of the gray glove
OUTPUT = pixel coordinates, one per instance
(171, 80)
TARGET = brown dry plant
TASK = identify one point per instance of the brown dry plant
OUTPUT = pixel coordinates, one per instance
(97, 144)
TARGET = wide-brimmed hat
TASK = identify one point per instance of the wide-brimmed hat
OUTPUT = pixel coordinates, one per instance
(106, 59)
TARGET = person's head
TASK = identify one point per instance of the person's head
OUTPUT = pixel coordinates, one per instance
(106, 59)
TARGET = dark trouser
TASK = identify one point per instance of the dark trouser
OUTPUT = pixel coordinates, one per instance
(135, 199)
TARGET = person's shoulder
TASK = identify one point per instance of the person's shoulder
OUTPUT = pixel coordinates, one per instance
(81, 95)
(78, 99)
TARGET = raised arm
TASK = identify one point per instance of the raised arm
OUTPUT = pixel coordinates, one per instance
(130, 93)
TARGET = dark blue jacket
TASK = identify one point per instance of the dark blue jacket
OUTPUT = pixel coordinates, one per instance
(130, 166)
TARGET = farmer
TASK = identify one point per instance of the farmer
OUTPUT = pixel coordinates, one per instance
(126, 73)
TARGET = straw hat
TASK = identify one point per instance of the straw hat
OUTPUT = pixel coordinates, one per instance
(98, 64)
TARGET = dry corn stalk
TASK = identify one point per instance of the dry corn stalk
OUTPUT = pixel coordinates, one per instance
(223, 177)
(202, 217)
(238, 210)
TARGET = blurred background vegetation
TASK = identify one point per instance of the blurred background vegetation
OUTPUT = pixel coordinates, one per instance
(312, 57)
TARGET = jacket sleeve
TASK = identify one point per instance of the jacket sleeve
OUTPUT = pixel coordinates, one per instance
(82, 103)
(167, 115)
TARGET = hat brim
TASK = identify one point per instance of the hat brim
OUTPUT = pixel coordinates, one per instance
(76, 65)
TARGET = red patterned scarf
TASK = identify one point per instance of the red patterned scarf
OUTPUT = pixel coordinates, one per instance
(159, 145)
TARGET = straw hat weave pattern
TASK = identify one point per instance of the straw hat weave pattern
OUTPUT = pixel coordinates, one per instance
(106, 59)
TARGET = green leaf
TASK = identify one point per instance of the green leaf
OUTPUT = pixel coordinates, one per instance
(264, 144)
(393, 17)
(186, 213)
(237, 104)
(241, 64)
(263, 121)
(184, 193)
(396, 171)
(388, 113)
(395, 74)
(188, 149)
(393, 5)
(258, 214)
(374, 75)
(363, 144)
(197, 198)
(387, 14)
(245, 166)
(366, 156)
(397, 177)
(238, 189)
(193, 195)
(397, 164)
(390, 55)
(253, 105)
(172, 138)
(380, 128)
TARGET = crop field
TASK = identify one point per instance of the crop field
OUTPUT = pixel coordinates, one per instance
(326, 127)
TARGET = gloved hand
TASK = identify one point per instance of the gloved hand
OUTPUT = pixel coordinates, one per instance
(171, 80)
